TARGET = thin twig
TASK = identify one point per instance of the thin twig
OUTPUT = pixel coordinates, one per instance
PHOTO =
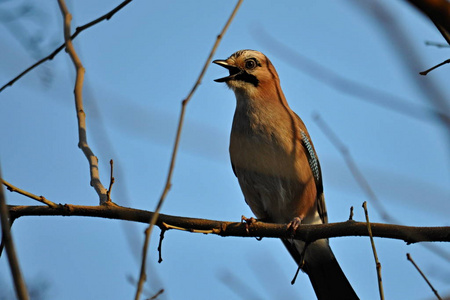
(7, 239)
(408, 256)
(146, 291)
(78, 30)
(301, 264)
(436, 44)
(161, 238)
(424, 73)
(111, 181)
(156, 295)
(377, 263)
(41, 199)
(81, 116)
(175, 150)
(178, 134)
(350, 217)
(168, 226)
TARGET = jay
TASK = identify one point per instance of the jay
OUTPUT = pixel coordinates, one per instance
(274, 159)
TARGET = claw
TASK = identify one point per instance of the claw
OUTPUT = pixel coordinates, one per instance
(248, 221)
(294, 225)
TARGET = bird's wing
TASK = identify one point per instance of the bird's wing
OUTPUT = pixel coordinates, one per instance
(317, 173)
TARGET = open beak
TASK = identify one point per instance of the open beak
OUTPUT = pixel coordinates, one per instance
(234, 71)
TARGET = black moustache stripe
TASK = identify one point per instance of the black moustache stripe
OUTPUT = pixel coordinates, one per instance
(244, 76)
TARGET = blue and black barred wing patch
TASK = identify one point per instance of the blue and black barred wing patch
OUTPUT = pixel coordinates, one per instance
(313, 162)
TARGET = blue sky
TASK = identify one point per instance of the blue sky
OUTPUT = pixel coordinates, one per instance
(139, 66)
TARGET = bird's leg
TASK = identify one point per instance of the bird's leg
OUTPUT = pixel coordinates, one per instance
(294, 224)
(248, 221)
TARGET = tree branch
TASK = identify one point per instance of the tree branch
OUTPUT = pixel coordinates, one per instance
(168, 183)
(78, 30)
(408, 256)
(7, 240)
(374, 250)
(81, 115)
(41, 199)
(308, 233)
(434, 67)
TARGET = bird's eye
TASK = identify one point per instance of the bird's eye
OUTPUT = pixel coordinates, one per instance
(250, 64)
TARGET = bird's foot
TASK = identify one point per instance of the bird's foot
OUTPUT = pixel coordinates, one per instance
(293, 225)
(248, 221)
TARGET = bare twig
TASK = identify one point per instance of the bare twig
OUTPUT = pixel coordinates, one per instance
(297, 272)
(146, 291)
(205, 231)
(408, 256)
(161, 238)
(436, 44)
(81, 116)
(7, 239)
(436, 66)
(175, 149)
(307, 233)
(111, 181)
(42, 199)
(78, 30)
(156, 295)
(302, 264)
(377, 263)
(350, 217)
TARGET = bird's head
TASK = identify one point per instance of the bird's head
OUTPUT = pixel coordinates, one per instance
(250, 71)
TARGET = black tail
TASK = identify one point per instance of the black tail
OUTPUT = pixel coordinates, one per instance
(327, 278)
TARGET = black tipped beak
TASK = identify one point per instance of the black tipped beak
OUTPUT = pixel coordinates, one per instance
(221, 62)
(232, 69)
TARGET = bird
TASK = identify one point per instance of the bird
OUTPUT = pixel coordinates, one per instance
(277, 167)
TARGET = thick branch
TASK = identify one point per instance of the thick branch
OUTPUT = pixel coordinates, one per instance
(307, 233)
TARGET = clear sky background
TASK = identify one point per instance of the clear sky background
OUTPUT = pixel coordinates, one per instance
(139, 66)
